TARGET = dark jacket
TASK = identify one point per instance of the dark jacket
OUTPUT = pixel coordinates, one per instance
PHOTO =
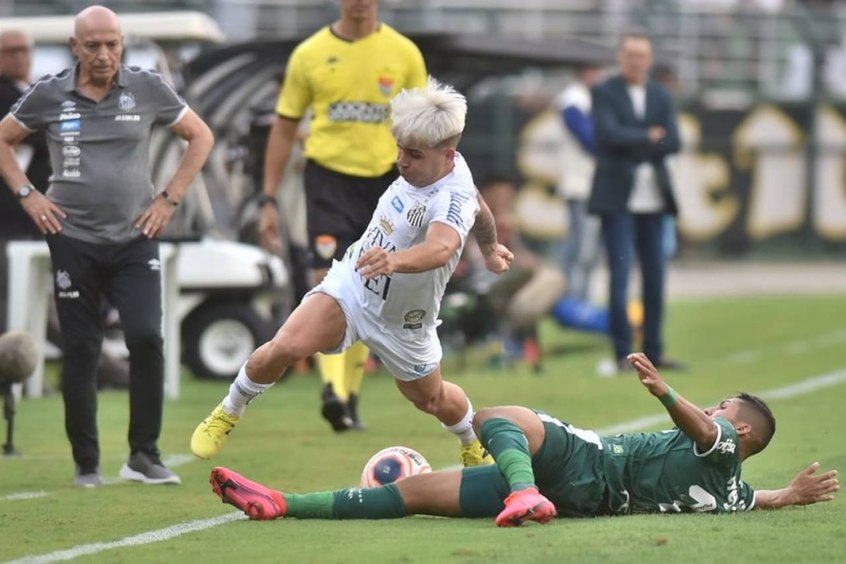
(14, 222)
(622, 144)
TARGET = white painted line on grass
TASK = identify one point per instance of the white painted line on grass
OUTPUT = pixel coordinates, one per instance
(791, 390)
(171, 461)
(144, 538)
(24, 495)
(799, 388)
(799, 346)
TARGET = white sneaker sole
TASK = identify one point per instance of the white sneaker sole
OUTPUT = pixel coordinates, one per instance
(127, 473)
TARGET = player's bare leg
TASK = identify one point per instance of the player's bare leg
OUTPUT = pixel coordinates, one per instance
(448, 402)
(300, 337)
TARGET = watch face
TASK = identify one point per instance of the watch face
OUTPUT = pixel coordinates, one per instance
(24, 191)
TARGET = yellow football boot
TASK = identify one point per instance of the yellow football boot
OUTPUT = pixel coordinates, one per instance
(209, 436)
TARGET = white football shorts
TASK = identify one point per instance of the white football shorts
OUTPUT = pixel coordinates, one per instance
(404, 358)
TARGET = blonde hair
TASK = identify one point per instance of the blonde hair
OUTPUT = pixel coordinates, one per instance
(430, 116)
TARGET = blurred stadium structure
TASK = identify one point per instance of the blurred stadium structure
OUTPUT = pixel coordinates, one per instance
(762, 86)
(747, 48)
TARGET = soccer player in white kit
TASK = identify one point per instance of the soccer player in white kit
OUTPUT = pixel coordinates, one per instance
(387, 290)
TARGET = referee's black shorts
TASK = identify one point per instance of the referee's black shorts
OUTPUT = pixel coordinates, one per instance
(339, 207)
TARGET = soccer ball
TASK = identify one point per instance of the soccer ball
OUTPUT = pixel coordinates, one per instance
(392, 464)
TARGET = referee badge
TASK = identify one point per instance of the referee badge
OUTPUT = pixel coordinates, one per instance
(415, 215)
(386, 85)
(325, 246)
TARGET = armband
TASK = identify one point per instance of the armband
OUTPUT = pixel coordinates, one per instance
(668, 399)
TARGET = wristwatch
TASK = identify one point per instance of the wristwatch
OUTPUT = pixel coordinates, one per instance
(25, 190)
(265, 199)
(168, 198)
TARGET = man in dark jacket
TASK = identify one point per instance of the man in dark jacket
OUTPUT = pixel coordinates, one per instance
(635, 124)
(15, 66)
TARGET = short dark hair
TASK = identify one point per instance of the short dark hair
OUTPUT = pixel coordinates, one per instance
(760, 408)
(633, 33)
(494, 178)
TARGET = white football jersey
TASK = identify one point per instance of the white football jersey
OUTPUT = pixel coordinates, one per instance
(406, 301)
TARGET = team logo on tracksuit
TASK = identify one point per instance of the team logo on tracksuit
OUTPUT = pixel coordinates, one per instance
(126, 101)
(63, 283)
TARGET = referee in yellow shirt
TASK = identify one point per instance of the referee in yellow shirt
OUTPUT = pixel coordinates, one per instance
(345, 73)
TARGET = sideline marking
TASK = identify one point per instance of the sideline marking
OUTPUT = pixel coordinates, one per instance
(799, 388)
(796, 347)
(171, 461)
(791, 390)
(24, 495)
(136, 540)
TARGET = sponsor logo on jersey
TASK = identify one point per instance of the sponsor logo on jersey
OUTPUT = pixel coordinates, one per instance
(155, 264)
(726, 446)
(413, 318)
(386, 226)
(415, 315)
(126, 101)
(71, 173)
(71, 151)
(416, 214)
(364, 112)
(127, 117)
(69, 115)
(386, 85)
(70, 125)
(456, 202)
(68, 105)
(397, 203)
(325, 246)
(70, 161)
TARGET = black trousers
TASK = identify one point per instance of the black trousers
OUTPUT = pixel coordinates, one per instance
(129, 276)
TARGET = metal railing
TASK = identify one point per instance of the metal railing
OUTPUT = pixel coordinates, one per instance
(727, 56)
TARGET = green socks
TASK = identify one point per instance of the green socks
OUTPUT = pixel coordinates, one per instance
(509, 447)
(350, 503)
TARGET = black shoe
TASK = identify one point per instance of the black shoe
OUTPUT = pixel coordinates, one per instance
(352, 408)
(147, 469)
(668, 364)
(334, 410)
(623, 365)
(87, 477)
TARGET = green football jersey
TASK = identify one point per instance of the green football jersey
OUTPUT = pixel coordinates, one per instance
(664, 472)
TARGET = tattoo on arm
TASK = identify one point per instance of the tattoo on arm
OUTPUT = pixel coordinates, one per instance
(484, 230)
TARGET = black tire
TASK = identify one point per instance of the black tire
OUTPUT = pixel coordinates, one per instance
(218, 338)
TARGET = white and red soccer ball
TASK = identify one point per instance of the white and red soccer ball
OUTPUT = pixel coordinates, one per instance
(392, 464)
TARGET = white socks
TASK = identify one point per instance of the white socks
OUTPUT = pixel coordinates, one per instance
(464, 428)
(241, 392)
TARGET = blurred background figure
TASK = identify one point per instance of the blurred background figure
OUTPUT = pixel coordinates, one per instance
(578, 153)
(632, 190)
(345, 74)
(33, 158)
(527, 292)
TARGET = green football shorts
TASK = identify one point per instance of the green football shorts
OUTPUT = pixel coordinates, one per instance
(568, 471)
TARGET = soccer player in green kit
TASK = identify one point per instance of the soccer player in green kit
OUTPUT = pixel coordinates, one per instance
(545, 467)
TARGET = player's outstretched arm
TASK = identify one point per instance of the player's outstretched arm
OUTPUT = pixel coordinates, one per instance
(497, 256)
(805, 488)
(692, 420)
